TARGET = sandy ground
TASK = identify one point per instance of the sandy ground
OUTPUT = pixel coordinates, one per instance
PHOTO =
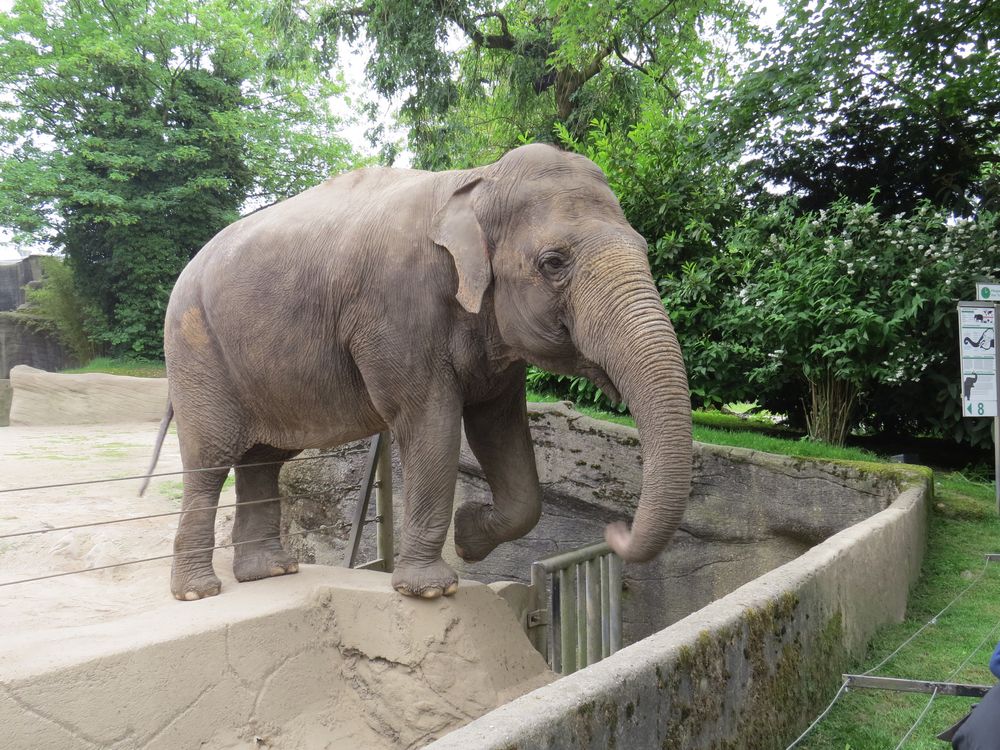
(46, 455)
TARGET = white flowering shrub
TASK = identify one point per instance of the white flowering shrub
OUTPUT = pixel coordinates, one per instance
(844, 317)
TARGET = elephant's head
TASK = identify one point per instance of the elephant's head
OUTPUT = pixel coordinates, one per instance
(540, 242)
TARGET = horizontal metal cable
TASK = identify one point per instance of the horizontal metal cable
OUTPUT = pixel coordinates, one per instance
(318, 529)
(162, 515)
(989, 637)
(165, 474)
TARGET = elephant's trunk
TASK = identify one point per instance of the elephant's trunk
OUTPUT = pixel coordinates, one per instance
(620, 324)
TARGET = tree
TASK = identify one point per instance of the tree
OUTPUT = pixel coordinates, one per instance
(899, 99)
(528, 64)
(133, 131)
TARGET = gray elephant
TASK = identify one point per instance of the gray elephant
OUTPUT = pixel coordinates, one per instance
(411, 301)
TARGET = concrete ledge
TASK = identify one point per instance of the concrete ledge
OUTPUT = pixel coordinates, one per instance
(329, 658)
(748, 670)
(44, 398)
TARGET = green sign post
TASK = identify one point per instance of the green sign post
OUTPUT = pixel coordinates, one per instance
(977, 335)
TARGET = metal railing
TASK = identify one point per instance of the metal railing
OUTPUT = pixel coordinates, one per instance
(378, 476)
(577, 620)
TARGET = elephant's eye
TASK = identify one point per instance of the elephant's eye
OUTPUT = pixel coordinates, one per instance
(552, 263)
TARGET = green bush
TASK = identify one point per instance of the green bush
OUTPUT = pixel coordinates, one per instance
(841, 317)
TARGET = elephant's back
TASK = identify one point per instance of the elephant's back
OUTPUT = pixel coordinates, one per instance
(283, 292)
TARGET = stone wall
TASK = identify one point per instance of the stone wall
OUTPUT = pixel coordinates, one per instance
(22, 345)
(748, 514)
(13, 277)
(41, 398)
(750, 670)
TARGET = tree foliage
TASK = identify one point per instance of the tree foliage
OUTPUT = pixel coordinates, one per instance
(845, 301)
(133, 131)
(898, 99)
(527, 64)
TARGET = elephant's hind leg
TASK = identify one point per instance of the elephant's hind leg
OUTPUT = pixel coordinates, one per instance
(192, 576)
(257, 551)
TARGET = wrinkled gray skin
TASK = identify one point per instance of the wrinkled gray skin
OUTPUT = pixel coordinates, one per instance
(410, 301)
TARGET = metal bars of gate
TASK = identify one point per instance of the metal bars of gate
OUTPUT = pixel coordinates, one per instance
(378, 475)
(580, 612)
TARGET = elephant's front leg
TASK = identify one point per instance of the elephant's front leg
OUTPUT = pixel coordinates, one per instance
(429, 445)
(498, 434)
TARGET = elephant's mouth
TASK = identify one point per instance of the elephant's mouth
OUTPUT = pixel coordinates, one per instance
(598, 377)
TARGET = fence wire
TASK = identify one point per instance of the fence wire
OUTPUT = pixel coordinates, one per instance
(933, 621)
(154, 475)
(165, 514)
(185, 553)
(920, 718)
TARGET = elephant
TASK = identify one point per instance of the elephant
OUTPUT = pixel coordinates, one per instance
(412, 301)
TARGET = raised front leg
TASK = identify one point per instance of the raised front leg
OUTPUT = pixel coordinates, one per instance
(429, 445)
(255, 520)
(499, 437)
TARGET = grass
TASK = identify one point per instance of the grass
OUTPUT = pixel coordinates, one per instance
(139, 368)
(963, 527)
(727, 429)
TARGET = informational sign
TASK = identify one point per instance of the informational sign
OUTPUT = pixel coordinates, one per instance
(977, 332)
(987, 292)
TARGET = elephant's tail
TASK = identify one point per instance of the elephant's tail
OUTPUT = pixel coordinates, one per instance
(164, 424)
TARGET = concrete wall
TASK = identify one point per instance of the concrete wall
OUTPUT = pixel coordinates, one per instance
(5, 396)
(749, 670)
(328, 658)
(45, 398)
(20, 345)
(13, 277)
(748, 513)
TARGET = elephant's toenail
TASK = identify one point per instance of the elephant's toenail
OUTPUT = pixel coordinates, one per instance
(277, 570)
(432, 593)
(192, 596)
(452, 588)
(293, 568)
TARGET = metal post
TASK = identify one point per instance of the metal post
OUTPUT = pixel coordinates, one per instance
(581, 614)
(593, 611)
(362, 509)
(615, 609)
(605, 608)
(996, 419)
(383, 503)
(539, 630)
(567, 622)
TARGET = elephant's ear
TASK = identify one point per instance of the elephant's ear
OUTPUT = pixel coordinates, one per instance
(456, 228)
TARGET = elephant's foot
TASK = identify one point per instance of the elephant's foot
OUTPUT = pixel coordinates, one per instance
(251, 562)
(427, 581)
(472, 544)
(192, 582)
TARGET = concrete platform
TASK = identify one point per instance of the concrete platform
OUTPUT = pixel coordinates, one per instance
(326, 659)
